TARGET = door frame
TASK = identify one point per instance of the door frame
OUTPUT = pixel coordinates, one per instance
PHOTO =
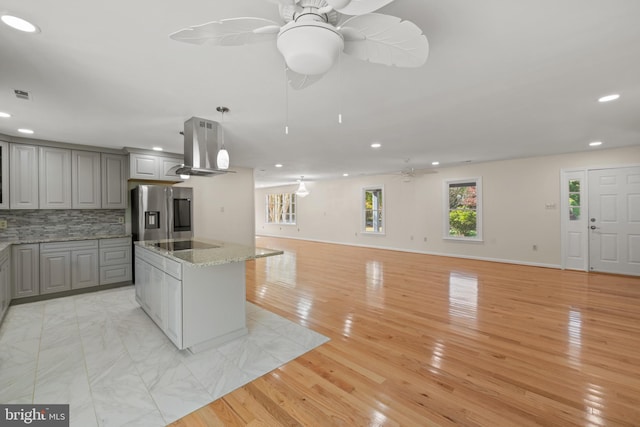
(565, 173)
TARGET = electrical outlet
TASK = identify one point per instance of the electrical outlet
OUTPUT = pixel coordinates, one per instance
(3, 224)
(221, 209)
(411, 237)
(120, 220)
(425, 239)
(534, 247)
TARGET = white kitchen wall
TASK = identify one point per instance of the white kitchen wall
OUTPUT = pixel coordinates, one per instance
(224, 206)
(515, 216)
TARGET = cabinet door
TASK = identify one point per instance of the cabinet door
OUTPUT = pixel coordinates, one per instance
(114, 181)
(23, 177)
(144, 166)
(25, 260)
(54, 178)
(55, 272)
(4, 175)
(166, 163)
(141, 271)
(84, 268)
(5, 291)
(173, 310)
(154, 292)
(85, 180)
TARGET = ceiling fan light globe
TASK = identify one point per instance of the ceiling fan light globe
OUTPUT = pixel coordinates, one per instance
(310, 48)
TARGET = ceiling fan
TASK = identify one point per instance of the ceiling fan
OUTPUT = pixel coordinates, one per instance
(316, 32)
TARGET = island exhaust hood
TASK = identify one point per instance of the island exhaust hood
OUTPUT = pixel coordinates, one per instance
(200, 149)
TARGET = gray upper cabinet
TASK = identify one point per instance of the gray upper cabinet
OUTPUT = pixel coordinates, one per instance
(85, 180)
(114, 181)
(167, 163)
(148, 166)
(4, 175)
(55, 178)
(23, 177)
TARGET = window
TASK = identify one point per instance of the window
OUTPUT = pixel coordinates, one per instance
(281, 208)
(373, 210)
(574, 199)
(463, 209)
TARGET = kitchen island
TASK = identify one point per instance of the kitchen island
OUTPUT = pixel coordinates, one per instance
(194, 290)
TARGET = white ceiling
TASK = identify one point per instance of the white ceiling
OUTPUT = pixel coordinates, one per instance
(504, 79)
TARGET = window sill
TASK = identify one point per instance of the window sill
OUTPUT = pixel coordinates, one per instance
(372, 233)
(464, 239)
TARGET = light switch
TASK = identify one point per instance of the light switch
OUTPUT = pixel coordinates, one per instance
(3, 224)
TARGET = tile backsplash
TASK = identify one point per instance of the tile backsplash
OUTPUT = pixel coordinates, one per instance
(48, 224)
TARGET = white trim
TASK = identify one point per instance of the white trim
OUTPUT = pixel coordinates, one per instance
(414, 251)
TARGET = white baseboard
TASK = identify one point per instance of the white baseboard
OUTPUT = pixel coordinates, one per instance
(477, 258)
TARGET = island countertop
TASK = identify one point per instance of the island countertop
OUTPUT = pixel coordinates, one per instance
(222, 253)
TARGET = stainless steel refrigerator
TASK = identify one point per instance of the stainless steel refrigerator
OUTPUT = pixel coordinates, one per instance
(161, 212)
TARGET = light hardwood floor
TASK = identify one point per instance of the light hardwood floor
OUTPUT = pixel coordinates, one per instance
(420, 340)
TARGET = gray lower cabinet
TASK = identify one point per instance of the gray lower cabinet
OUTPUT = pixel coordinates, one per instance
(115, 260)
(25, 263)
(55, 272)
(5, 282)
(68, 265)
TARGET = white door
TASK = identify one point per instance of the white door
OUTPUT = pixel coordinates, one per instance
(614, 220)
(575, 234)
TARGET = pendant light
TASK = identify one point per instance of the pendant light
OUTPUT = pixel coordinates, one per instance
(302, 189)
(222, 160)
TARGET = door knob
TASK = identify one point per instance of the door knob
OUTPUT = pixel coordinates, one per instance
(593, 227)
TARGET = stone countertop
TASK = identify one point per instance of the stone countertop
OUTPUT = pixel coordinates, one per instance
(224, 253)
(3, 245)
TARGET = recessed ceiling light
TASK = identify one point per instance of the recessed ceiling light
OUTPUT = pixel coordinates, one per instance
(278, 165)
(4, 115)
(345, 174)
(435, 163)
(157, 148)
(29, 131)
(595, 143)
(376, 145)
(608, 98)
(19, 24)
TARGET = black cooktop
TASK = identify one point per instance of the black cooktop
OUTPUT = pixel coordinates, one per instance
(184, 245)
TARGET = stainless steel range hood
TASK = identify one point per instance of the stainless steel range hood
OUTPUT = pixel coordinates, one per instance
(200, 149)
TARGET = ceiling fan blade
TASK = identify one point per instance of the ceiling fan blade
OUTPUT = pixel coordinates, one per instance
(357, 7)
(385, 39)
(299, 81)
(229, 32)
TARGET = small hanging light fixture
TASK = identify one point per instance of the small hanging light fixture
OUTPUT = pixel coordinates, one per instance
(302, 189)
(222, 160)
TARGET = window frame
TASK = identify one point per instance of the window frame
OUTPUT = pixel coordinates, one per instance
(363, 210)
(446, 209)
(292, 205)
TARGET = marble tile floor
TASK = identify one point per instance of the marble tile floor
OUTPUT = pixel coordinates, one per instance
(104, 356)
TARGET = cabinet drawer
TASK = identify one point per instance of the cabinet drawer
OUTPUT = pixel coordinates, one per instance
(120, 241)
(68, 246)
(173, 268)
(166, 265)
(115, 274)
(115, 256)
